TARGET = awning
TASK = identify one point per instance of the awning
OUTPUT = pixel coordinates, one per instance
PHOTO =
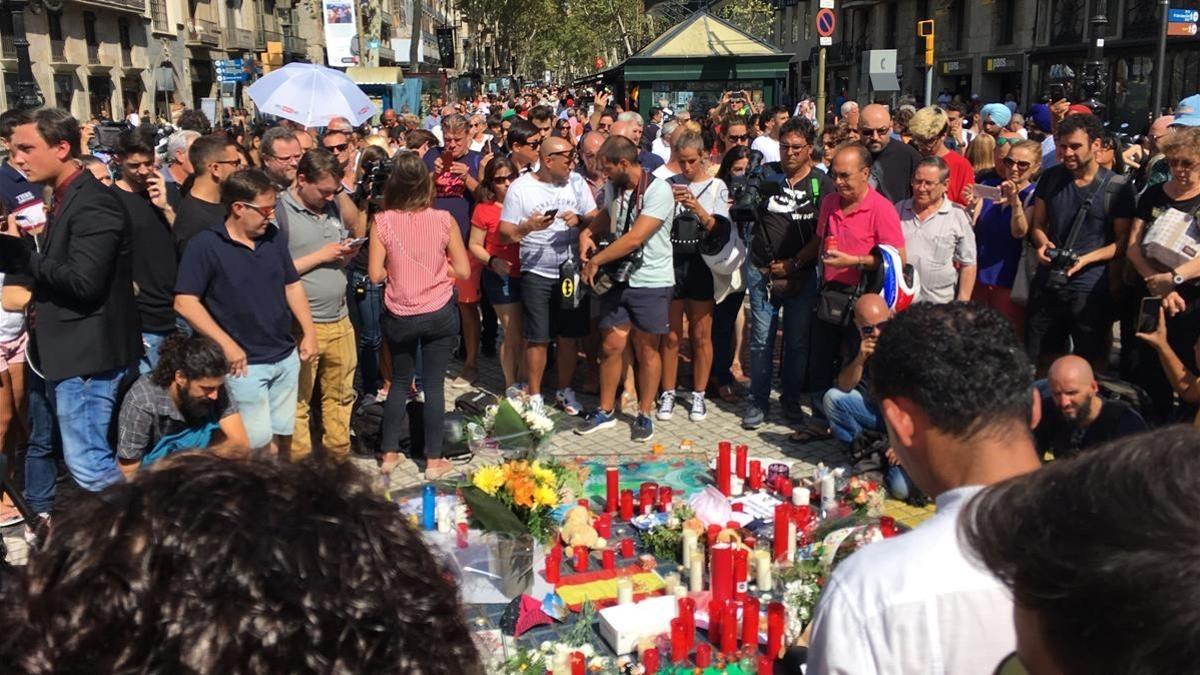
(379, 75)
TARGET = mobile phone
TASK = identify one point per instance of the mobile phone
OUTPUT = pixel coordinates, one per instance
(1148, 315)
(354, 241)
(552, 213)
(991, 192)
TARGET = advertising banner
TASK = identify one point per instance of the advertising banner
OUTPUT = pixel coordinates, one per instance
(340, 33)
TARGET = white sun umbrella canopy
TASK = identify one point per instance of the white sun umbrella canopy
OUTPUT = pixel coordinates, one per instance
(311, 95)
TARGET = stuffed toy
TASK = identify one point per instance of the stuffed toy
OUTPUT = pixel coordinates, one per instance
(577, 530)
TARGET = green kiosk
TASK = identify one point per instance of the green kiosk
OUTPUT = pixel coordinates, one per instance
(692, 64)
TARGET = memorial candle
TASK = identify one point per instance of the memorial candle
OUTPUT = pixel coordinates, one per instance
(775, 617)
(581, 559)
(610, 559)
(723, 467)
(801, 496)
(703, 655)
(754, 479)
(750, 623)
(785, 489)
(766, 665)
(691, 539)
(740, 565)
(716, 614)
(665, 495)
(762, 571)
(553, 565)
(791, 541)
(578, 663)
(624, 591)
(741, 454)
(721, 573)
(627, 505)
(429, 507)
(696, 573)
(603, 525)
(713, 531)
(650, 661)
(828, 495)
(679, 643)
(626, 548)
(729, 630)
(686, 608)
(782, 518)
(612, 479)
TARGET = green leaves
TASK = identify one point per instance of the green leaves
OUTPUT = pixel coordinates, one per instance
(491, 514)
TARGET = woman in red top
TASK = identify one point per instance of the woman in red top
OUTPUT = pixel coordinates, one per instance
(419, 252)
(501, 262)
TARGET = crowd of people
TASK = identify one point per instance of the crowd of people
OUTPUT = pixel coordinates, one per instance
(247, 288)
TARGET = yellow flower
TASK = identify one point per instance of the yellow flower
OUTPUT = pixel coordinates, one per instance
(543, 475)
(545, 496)
(489, 479)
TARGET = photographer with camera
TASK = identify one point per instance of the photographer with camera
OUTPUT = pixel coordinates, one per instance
(781, 276)
(635, 278)
(1080, 212)
(366, 296)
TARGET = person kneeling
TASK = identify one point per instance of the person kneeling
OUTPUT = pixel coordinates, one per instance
(181, 405)
(853, 417)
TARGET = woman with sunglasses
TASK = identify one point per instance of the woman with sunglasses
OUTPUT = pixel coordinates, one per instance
(501, 263)
(1000, 229)
(1176, 284)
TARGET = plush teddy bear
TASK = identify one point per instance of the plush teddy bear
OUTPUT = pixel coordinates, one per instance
(577, 530)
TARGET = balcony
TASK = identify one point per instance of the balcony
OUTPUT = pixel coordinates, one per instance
(126, 57)
(387, 55)
(7, 49)
(295, 45)
(239, 39)
(136, 6)
(93, 54)
(58, 51)
(203, 33)
(265, 36)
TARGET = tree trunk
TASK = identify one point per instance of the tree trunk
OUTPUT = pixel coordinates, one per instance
(414, 45)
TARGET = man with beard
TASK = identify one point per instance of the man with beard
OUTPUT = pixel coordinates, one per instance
(150, 202)
(181, 405)
(281, 153)
(1075, 417)
(893, 161)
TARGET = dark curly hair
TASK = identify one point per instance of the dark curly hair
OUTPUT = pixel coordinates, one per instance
(195, 355)
(959, 362)
(1103, 548)
(213, 565)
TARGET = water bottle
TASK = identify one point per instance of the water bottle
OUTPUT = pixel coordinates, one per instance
(429, 507)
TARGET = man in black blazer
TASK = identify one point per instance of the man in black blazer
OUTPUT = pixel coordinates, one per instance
(85, 324)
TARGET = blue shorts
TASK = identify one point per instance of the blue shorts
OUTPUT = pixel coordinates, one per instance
(648, 309)
(266, 398)
(501, 290)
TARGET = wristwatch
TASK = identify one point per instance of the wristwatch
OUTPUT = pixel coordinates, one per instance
(1177, 278)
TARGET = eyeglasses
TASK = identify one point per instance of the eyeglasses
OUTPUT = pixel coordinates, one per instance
(739, 138)
(881, 131)
(341, 147)
(265, 211)
(534, 144)
(507, 178)
(1010, 163)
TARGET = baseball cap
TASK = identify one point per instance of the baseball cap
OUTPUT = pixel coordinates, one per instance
(1187, 113)
(1079, 109)
(998, 113)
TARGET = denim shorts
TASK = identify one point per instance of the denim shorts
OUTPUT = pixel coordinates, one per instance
(501, 290)
(266, 398)
(648, 309)
(543, 315)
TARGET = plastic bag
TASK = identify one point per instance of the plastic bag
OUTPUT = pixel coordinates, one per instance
(711, 507)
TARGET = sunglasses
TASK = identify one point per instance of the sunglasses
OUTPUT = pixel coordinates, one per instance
(1011, 141)
(507, 178)
(265, 211)
(881, 131)
(738, 138)
(341, 147)
(534, 144)
(1010, 163)
(872, 329)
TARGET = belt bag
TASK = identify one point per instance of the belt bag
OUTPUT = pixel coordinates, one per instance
(835, 303)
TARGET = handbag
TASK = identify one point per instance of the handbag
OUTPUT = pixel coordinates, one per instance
(1026, 268)
(835, 302)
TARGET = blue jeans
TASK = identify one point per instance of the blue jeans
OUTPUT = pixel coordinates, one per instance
(44, 446)
(150, 344)
(84, 407)
(365, 312)
(797, 325)
(897, 482)
(849, 414)
(724, 323)
(266, 398)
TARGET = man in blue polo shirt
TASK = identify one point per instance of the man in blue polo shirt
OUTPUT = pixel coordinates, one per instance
(237, 285)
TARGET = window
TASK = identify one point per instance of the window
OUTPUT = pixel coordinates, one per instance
(89, 29)
(64, 91)
(7, 49)
(958, 24)
(54, 26)
(1066, 22)
(1004, 17)
(10, 90)
(124, 36)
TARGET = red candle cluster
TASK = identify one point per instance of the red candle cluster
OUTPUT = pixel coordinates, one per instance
(612, 481)
(750, 622)
(626, 505)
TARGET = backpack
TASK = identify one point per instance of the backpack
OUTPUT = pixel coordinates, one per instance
(1112, 389)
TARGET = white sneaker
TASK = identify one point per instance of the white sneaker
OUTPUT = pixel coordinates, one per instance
(699, 410)
(565, 400)
(666, 405)
(536, 404)
(43, 520)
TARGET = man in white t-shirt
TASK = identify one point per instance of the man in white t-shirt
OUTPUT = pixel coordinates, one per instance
(917, 603)
(544, 211)
(768, 143)
(639, 212)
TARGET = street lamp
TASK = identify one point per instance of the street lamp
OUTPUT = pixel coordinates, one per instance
(27, 93)
(1092, 84)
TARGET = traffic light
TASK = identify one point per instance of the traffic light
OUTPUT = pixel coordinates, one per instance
(925, 30)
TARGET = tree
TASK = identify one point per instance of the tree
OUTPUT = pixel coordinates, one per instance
(753, 16)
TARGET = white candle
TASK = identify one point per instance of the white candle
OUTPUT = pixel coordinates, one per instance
(690, 540)
(828, 496)
(736, 486)
(763, 570)
(697, 573)
(791, 542)
(801, 496)
(445, 518)
(670, 582)
(681, 591)
(624, 591)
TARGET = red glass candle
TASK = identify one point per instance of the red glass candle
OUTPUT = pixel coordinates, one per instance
(679, 641)
(687, 612)
(887, 526)
(578, 663)
(583, 502)
(750, 541)
(603, 525)
(738, 507)
(462, 530)
(755, 475)
(741, 566)
(729, 630)
(626, 548)
(665, 495)
(610, 559)
(775, 614)
(626, 505)
(703, 655)
(741, 455)
(724, 468)
(785, 489)
(713, 531)
(716, 614)
(554, 565)
(750, 622)
(612, 481)
(766, 665)
(782, 515)
(803, 517)
(581, 559)
(650, 659)
(721, 573)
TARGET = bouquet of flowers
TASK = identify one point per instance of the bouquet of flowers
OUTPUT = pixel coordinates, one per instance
(802, 585)
(519, 496)
(865, 497)
(512, 422)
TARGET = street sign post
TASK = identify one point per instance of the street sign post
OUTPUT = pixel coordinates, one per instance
(1184, 16)
(826, 22)
(230, 70)
(1178, 29)
(1175, 22)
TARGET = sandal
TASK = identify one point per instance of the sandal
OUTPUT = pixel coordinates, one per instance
(810, 435)
(437, 468)
(9, 516)
(388, 462)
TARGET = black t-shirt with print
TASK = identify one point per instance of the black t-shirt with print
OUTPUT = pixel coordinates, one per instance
(787, 220)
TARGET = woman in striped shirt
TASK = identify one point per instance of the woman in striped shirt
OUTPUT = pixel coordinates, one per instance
(419, 252)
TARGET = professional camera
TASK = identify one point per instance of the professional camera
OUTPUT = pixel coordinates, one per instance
(1061, 261)
(748, 190)
(374, 177)
(616, 272)
(104, 141)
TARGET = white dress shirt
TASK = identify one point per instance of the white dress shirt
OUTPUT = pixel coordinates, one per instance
(769, 147)
(660, 148)
(913, 605)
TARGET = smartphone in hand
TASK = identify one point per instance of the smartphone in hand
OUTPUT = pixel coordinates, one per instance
(1148, 315)
(551, 214)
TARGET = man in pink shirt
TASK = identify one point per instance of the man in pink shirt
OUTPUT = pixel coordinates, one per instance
(929, 128)
(855, 220)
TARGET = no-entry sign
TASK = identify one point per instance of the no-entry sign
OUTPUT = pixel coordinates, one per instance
(826, 22)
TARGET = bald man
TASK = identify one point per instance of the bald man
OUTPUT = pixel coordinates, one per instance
(587, 167)
(854, 417)
(1074, 415)
(632, 131)
(1153, 164)
(894, 161)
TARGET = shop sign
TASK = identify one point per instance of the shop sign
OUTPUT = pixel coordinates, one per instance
(1011, 63)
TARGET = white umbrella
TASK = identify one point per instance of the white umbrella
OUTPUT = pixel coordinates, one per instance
(311, 95)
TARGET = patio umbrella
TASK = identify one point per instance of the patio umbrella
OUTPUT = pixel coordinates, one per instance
(311, 95)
